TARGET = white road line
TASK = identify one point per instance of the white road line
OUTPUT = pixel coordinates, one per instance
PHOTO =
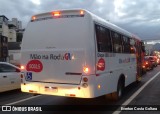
(135, 94)
(23, 100)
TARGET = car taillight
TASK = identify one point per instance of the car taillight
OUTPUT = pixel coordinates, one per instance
(146, 63)
(22, 76)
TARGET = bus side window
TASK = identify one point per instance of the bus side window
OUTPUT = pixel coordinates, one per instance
(132, 45)
(117, 42)
(103, 39)
(126, 44)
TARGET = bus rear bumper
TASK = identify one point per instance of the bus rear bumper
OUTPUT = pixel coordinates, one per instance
(58, 90)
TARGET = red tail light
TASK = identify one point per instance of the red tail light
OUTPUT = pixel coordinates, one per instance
(22, 76)
(81, 12)
(85, 79)
(34, 18)
(101, 64)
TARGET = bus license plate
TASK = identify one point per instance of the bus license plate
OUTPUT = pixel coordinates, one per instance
(51, 90)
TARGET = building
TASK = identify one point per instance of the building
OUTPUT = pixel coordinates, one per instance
(14, 41)
(4, 26)
(4, 38)
(19, 35)
(18, 30)
(17, 23)
(3, 48)
(12, 36)
(14, 52)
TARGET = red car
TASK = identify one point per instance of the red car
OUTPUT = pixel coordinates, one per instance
(148, 64)
(152, 59)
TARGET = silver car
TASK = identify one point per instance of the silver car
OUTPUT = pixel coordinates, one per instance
(9, 77)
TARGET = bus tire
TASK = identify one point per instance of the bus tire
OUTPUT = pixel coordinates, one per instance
(115, 96)
(118, 94)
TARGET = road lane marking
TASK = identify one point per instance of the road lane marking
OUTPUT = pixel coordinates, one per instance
(135, 94)
(23, 100)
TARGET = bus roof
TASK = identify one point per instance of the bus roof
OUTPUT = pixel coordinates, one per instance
(94, 17)
(110, 25)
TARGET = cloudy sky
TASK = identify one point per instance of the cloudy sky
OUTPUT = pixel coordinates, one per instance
(141, 17)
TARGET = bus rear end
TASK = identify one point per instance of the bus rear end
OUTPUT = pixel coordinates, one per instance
(57, 54)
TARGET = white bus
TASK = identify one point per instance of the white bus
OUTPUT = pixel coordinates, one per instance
(75, 53)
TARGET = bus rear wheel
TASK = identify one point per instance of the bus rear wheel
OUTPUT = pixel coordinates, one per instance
(115, 96)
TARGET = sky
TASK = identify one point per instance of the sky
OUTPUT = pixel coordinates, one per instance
(140, 17)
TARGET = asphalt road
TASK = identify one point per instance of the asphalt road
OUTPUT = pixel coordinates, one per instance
(148, 96)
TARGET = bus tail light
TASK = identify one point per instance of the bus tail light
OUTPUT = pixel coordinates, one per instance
(101, 64)
(85, 85)
(85, 79)
(81, 12)
(34, 18)
(99, 86)
(86, 70)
